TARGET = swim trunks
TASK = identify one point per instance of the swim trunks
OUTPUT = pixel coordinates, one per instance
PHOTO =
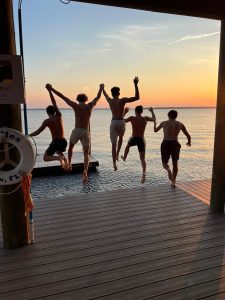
(170, 148)
(80, 134)
(137, 141)
(117, 128)
(57, 145)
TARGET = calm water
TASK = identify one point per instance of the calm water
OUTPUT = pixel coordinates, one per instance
(195, 162)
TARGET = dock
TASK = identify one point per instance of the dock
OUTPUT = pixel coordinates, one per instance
(43, 168)
(140, 243)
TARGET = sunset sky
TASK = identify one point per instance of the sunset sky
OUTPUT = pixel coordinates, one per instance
(78, 46)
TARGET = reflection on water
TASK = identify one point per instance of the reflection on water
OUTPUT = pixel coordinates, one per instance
(195, 162)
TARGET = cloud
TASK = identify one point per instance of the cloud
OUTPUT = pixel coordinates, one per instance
(194, 37)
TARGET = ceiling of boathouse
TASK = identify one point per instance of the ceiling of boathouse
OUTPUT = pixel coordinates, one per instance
(196, 8)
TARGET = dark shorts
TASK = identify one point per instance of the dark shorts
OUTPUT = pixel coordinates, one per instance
(137, 141)
(57, 145)
(170, 148)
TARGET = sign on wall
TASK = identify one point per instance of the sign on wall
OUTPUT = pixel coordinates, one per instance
(11, 80)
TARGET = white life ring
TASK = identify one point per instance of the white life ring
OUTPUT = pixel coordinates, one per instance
(27, 156)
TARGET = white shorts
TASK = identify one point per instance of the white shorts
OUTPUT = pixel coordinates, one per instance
(117, 128)
(80, 134)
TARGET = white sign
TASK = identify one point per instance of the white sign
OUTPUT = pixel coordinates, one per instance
(11, 80)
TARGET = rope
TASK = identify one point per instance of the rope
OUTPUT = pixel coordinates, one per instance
(65, 2)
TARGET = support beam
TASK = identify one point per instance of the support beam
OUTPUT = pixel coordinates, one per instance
(14, 223)
(218, 175)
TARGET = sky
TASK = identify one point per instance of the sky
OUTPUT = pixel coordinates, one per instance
(77, 46)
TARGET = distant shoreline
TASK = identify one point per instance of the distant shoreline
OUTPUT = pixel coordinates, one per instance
(169, 107)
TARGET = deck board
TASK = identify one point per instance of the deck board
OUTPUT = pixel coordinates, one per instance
(140, 243)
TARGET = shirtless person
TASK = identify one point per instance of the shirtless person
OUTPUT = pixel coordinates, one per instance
(55, 125)
(117, 127)
(81, 132)
(170, 145)
(137, 139)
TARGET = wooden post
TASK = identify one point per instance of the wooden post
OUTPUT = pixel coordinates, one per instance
(14, 223)
(218, 174)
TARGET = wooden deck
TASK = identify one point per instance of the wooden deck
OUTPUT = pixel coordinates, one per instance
(43, 168)
(140, 243)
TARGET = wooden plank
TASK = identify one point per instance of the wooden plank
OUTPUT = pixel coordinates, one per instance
(117, 245)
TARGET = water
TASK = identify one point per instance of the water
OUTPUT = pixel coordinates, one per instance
(195, 162)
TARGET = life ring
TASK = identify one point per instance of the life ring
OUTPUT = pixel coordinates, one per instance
(9, 136)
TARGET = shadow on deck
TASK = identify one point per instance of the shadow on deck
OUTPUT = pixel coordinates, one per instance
(140, 243)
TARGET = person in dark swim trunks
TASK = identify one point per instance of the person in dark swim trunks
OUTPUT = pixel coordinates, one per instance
(55, 125)
(137, 139)
(170, 146)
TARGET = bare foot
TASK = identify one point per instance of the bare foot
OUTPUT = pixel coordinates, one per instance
(63, 162)
(170, 175)
(122, 157)
(85, 177)
(143, 178)
(173, 183)
(69, 168)
(115, 167)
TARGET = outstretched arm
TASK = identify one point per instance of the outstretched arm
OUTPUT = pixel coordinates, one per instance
(184, 130)
(48, 87)
(67, 100)
(156, 129)
(137, 94)
(95, 100)
(128, 119)
(39, 130)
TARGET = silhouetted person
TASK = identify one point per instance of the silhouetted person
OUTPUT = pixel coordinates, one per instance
(138, 123)
(117, 127)
(170, 146)
(81, 132)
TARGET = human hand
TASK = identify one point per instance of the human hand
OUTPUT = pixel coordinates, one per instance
(126, 109)
(188, 144)
(150, 109)
(136, 80)
(101, 86)
(48, 86)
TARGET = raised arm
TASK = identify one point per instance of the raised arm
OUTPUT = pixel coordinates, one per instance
(48, 87)
(39, 130)
(153, 118)
(184, 130)
(137, 94)
(95, 100)
(107, 98)
(67, 100)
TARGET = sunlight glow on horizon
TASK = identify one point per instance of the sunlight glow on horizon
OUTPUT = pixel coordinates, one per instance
(76, 47)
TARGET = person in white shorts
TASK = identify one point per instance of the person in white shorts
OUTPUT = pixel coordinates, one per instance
(117, 127)
(81, 132)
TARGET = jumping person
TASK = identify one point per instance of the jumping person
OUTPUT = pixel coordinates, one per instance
(82, 112)
(170, 145)
(117, 127)
(55, 125)
(138, 123)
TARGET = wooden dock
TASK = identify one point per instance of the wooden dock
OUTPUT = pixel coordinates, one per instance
(140, 243)
(43, 168)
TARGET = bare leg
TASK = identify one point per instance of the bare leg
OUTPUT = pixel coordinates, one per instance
(167, 167)
(126, 151)
(143, 164)
(119, 144)
(86, 164)
(70, 153)
(175, 171)
(114, 156)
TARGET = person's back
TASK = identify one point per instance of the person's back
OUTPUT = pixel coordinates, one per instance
(55, 125)
(171, 129)
(138, 125)
(117, 108)
(82, 115)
